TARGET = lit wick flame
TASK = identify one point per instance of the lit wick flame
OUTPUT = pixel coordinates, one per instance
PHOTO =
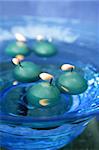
(19, 37)
(65, 67)
(46, 76)
(20, 57)
(15, 61)
(15, 82)
(40, 37)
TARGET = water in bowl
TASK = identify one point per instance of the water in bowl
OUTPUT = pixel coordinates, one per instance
(23, 133)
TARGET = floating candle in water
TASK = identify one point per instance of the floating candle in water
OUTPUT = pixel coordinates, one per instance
(44, 48)
(43, 94)
(26, 71)
(19, 47)
(71, 81)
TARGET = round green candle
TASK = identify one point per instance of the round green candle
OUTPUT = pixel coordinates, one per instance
(43, 94)
(72, 82)
(44, 49)
(27, 72)
(17, 48)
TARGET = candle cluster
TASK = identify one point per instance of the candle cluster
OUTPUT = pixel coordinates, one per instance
(41, 48)
(46, 93)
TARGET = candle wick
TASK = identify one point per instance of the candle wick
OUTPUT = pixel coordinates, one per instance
(20, 64)
(51, 81)
(72, 69)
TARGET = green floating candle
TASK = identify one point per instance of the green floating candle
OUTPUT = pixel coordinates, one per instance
(43, 94)
(44, 48)
(71, 82)
(17, 48)
(26, 72)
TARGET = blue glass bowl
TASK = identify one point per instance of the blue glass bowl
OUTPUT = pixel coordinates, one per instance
(74, 46)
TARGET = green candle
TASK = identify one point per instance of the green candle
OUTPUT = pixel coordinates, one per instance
(43, 94)
(17, 48)
(27, 72)
(71, 81)
(44, 49)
